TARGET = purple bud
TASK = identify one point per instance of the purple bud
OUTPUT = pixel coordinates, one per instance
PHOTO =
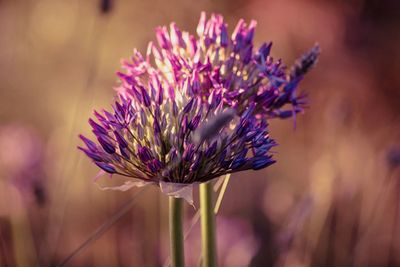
(96, 127)
(262, 162)
(243, 125)
(224, 36)
(188, 153)
(238, 162)
(226, 164)
(261, 139)
(196, 82)
(172, 155)
(171, 93)
(247, 53)
(146, 97)
(188, 106)
(140, 131)
(286, 114)
(305, 63)
(214, 99)
(90, 154)
(202, 24)
(121, 141)
(89, 143)
(135, 93)
(161, 34)
(265, 49)
(222, 156)
(247, 113)
(157, 128)
(197, 162)
(107, 146)
(102, 119)
(106, 167)
(144, 154)
(250, 33)
(281, 100)
(143, 119)
(184, 126)
(164, 122)
(238, 45)
(158, 164)
(176, 36)
(250, 135)
(124, 152)
(119, 110)
(211, 150)
(174, 109)
(160, 94)
(157, 112)
(264, 148)
(109, 116)
(155, 165)
(194, 122)
(229, 63)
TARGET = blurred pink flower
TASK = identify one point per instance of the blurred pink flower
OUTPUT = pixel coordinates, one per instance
(21, 160)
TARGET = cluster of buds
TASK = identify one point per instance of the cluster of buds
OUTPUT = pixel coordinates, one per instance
(194, 109)
(228, 67)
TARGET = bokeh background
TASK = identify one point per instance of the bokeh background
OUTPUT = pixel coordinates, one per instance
(332, 199)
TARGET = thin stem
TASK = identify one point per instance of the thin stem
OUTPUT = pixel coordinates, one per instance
(176, 232)
(209, 252)
(222, 193)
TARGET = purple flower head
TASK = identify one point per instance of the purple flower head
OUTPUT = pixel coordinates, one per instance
(194, 109)
(205, 139)
(231, 65)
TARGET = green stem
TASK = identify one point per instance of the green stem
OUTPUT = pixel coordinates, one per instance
(208, 246)
(176, 232)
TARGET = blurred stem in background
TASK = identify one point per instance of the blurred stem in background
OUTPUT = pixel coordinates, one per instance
(176, 232)
(208, 245)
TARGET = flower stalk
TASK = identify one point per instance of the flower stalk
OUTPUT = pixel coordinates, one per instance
(176, 232)
(208, 246)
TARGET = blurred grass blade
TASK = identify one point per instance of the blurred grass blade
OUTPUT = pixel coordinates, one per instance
(103, 228)
(222, 193)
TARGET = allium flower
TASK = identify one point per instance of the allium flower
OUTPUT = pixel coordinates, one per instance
(151, 140)
(222, 66)
(198, 111)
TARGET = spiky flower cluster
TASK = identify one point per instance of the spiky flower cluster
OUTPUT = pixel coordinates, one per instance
(155, 139)
(195, 109)
(217, 64)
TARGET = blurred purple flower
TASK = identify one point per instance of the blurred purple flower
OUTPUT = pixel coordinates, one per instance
(22, 161)
(393, 156)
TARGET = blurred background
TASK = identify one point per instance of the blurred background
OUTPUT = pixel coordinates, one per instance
(332, 199)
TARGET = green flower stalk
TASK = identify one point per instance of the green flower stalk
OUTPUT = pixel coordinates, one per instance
(176, 232)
